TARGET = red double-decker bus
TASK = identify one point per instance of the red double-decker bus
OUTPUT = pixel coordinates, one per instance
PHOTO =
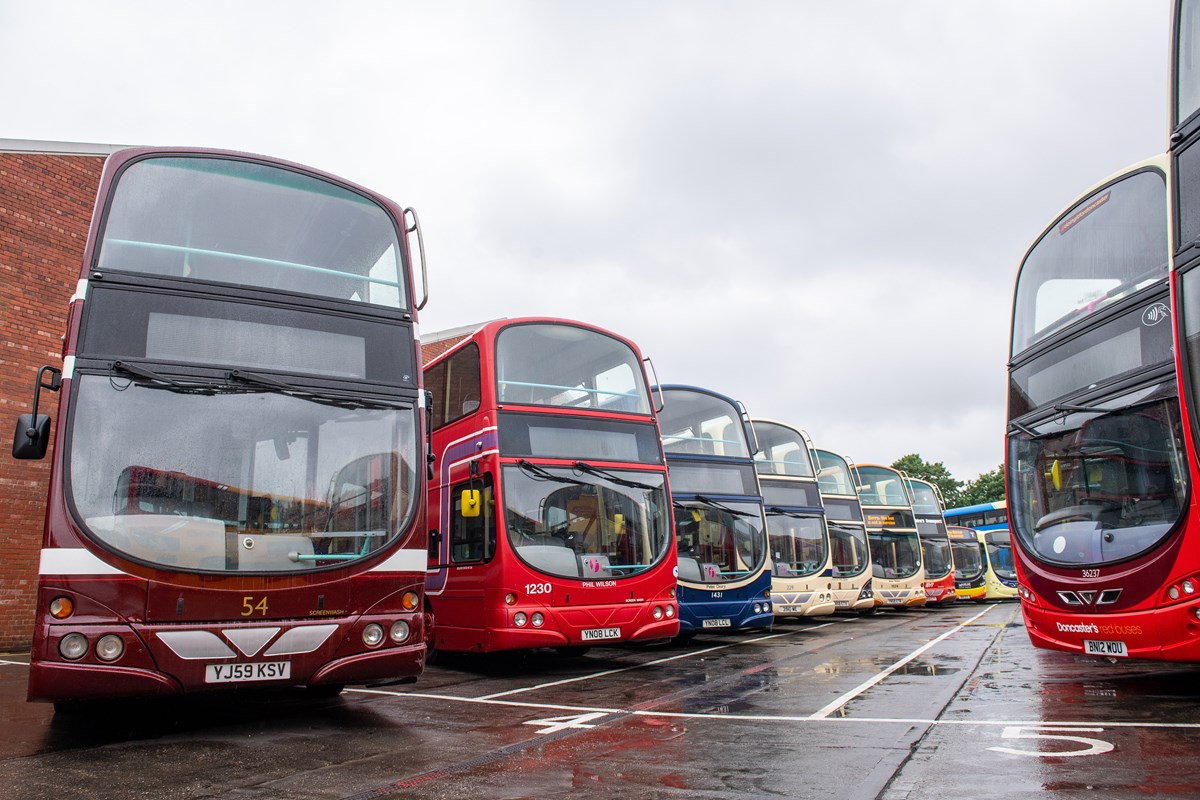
(237, 497)
(1097, 461)
(552, 515)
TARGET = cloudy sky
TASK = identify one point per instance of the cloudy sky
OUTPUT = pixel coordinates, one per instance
(817, 207)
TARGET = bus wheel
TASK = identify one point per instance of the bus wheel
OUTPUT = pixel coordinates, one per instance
(431, 652)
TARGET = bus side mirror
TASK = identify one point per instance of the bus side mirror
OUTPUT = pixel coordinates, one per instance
(32, 436)
(470, 503)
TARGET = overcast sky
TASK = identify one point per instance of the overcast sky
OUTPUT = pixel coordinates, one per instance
(815, 207)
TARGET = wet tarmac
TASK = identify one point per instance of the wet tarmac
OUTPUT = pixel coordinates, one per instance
(925, 703)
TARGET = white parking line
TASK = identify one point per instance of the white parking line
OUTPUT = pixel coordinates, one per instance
(689, 654)
(857, 690)
(14, 663)
(805, 719)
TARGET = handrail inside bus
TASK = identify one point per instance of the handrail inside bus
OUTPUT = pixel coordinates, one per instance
(178, 248)
(567, 388)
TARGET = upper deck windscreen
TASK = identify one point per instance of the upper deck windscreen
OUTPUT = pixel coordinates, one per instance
(1187, 61)
(833, 475)
(880, 486)
(552, 364)
(697, 423)
(252, 224)
(924, 498)
(781, 451)
(1109, 245)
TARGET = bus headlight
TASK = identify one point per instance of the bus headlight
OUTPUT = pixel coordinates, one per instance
(110, 647)
(758, 608)
(372, 634)
(670, 611)
(537, 619)
(399, 632)
(62, 607)
(519, 619)
(658, 612)
(73, 646)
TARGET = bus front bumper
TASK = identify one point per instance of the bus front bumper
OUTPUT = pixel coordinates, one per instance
(1161, 634)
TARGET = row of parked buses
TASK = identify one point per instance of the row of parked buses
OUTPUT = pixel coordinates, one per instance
(258, 482)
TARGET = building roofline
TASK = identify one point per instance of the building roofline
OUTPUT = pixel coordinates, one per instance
(451, 333)
(41, 147)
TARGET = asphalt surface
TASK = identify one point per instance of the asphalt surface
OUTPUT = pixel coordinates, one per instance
(928, 703)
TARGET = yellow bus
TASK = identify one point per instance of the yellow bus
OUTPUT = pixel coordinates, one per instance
(983, 564)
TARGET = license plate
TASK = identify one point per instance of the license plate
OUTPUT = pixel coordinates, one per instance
(592, 634)
(841, 603)
(786, 609)
(1100, 647)
(895, 601)
(716, 623)
(236, 673)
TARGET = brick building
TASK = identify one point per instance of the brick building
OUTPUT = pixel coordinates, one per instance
(47, 190)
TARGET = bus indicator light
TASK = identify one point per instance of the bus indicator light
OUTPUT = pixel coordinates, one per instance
(510, 599)
(409, 601)
(62, 607)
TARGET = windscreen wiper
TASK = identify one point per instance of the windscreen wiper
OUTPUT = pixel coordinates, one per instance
(708, 501)
(151, 378)
(543, 474)
(588, 469)
(1030, 432)
(327, 398)
(776, 511)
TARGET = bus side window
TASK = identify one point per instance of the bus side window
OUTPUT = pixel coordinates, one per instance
(473, 538)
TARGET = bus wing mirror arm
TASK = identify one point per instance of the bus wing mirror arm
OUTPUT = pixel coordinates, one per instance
(32, 436)
(656, 387)
(415, 227)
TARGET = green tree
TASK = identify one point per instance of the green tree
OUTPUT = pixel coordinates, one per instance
(987, 488)
(935, 472)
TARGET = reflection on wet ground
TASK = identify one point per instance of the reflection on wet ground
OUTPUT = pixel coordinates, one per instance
(900, 705)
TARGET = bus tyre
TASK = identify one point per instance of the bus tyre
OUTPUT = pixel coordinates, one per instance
(432, 654)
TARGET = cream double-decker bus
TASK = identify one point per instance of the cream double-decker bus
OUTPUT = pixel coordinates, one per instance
(849, 550)
(898, 571)
(802, 569)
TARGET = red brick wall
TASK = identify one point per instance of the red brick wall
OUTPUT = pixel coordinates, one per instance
(45, 208)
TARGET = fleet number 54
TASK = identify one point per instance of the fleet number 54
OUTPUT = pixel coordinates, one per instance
(249, 606)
